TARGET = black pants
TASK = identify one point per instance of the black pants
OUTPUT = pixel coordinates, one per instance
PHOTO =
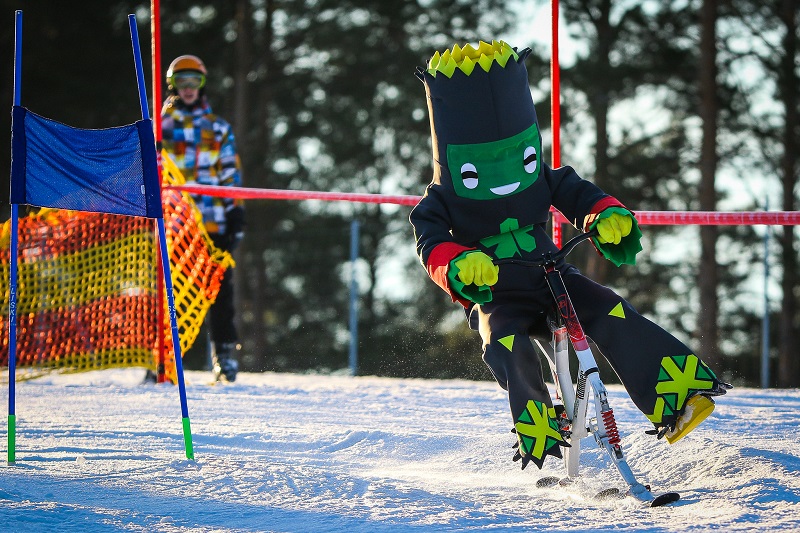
(657, 370)
(223, 312)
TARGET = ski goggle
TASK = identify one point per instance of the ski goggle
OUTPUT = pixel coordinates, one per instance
(188, 80)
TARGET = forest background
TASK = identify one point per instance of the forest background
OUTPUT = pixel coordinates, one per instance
(666, 104)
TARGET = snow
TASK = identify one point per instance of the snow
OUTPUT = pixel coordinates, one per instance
(101, 452)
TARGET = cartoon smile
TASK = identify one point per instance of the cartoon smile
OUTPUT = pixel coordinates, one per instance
(505, 189)
(495, 169)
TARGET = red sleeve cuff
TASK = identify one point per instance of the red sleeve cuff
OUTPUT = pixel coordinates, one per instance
(439, 263)
(599, 207)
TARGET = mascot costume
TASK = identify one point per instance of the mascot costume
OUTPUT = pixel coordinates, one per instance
(490, 199)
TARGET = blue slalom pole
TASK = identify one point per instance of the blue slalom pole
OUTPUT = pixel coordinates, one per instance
(18, 59)
(12, 340)
(353, 356)
(137, 58)
(765, 319)
(162, 240)
(12, 296)
(176, 341)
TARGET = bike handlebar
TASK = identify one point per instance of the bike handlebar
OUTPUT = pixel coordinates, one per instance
(551, 257)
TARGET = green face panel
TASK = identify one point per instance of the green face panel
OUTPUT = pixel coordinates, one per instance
(486, 171)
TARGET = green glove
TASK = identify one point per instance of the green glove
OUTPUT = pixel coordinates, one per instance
(472, 275)
(619, 236)
(477, 268)
(614, 228)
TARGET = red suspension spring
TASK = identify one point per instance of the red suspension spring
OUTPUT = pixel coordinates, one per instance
(611, 427)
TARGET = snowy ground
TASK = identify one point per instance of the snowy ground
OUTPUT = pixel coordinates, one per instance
(291, 453)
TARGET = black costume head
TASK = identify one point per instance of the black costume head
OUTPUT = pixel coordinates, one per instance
(486, 140)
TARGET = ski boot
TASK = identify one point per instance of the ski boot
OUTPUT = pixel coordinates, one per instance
(696, 409)
(225, 365)
(564, 429)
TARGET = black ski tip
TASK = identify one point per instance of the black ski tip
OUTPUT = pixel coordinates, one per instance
(664, 499)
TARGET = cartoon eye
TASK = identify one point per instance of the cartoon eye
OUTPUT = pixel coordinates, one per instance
(529, 160)
(470, 175)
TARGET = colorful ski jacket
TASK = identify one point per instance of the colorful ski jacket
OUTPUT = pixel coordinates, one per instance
(204, 149)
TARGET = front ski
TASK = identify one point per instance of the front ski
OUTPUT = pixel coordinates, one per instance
(640, 493)
(643, 494)
(664, 499)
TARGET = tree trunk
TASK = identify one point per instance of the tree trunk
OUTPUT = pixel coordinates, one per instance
(597, 266)
(789, 89)
(251, 108)
(243, 63)
(707, 329)
(241, 125)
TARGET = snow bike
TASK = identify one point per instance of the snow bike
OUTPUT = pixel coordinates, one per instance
(564, 327)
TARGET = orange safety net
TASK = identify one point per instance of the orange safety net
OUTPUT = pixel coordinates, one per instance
(87, 286)
(197, 266)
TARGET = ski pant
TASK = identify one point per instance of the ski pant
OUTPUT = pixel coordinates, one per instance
(222, 312)
(652, 365)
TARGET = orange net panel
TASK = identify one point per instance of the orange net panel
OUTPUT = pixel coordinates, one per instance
(87, 297)
(197, 265)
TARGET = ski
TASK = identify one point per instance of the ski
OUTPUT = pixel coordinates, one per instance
(664, 499)
(613, 493)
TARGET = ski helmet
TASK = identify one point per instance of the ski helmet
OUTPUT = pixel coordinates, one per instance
(189, 65)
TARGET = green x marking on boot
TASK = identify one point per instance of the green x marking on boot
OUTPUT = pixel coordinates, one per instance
(679, 376)
(537, 430)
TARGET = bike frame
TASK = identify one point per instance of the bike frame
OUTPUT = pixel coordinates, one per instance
(566, 329)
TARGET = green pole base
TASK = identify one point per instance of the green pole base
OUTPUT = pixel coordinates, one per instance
(12, 439)
(187, 439)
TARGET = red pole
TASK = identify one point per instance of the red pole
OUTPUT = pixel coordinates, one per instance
(555, 105)
(555, 96)
(155, 41)
(155, 49)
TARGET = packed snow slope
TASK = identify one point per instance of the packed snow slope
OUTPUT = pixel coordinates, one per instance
(102, 452)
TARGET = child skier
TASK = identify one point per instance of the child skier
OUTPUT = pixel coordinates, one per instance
(489, 199)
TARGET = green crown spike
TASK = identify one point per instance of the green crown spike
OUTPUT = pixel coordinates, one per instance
(465, 58)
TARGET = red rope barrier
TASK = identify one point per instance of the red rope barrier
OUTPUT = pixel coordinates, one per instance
(719, 218)
(657, 218)
(246, 193)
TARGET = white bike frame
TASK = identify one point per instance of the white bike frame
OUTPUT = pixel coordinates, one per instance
(575, 395)
(566, 330)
